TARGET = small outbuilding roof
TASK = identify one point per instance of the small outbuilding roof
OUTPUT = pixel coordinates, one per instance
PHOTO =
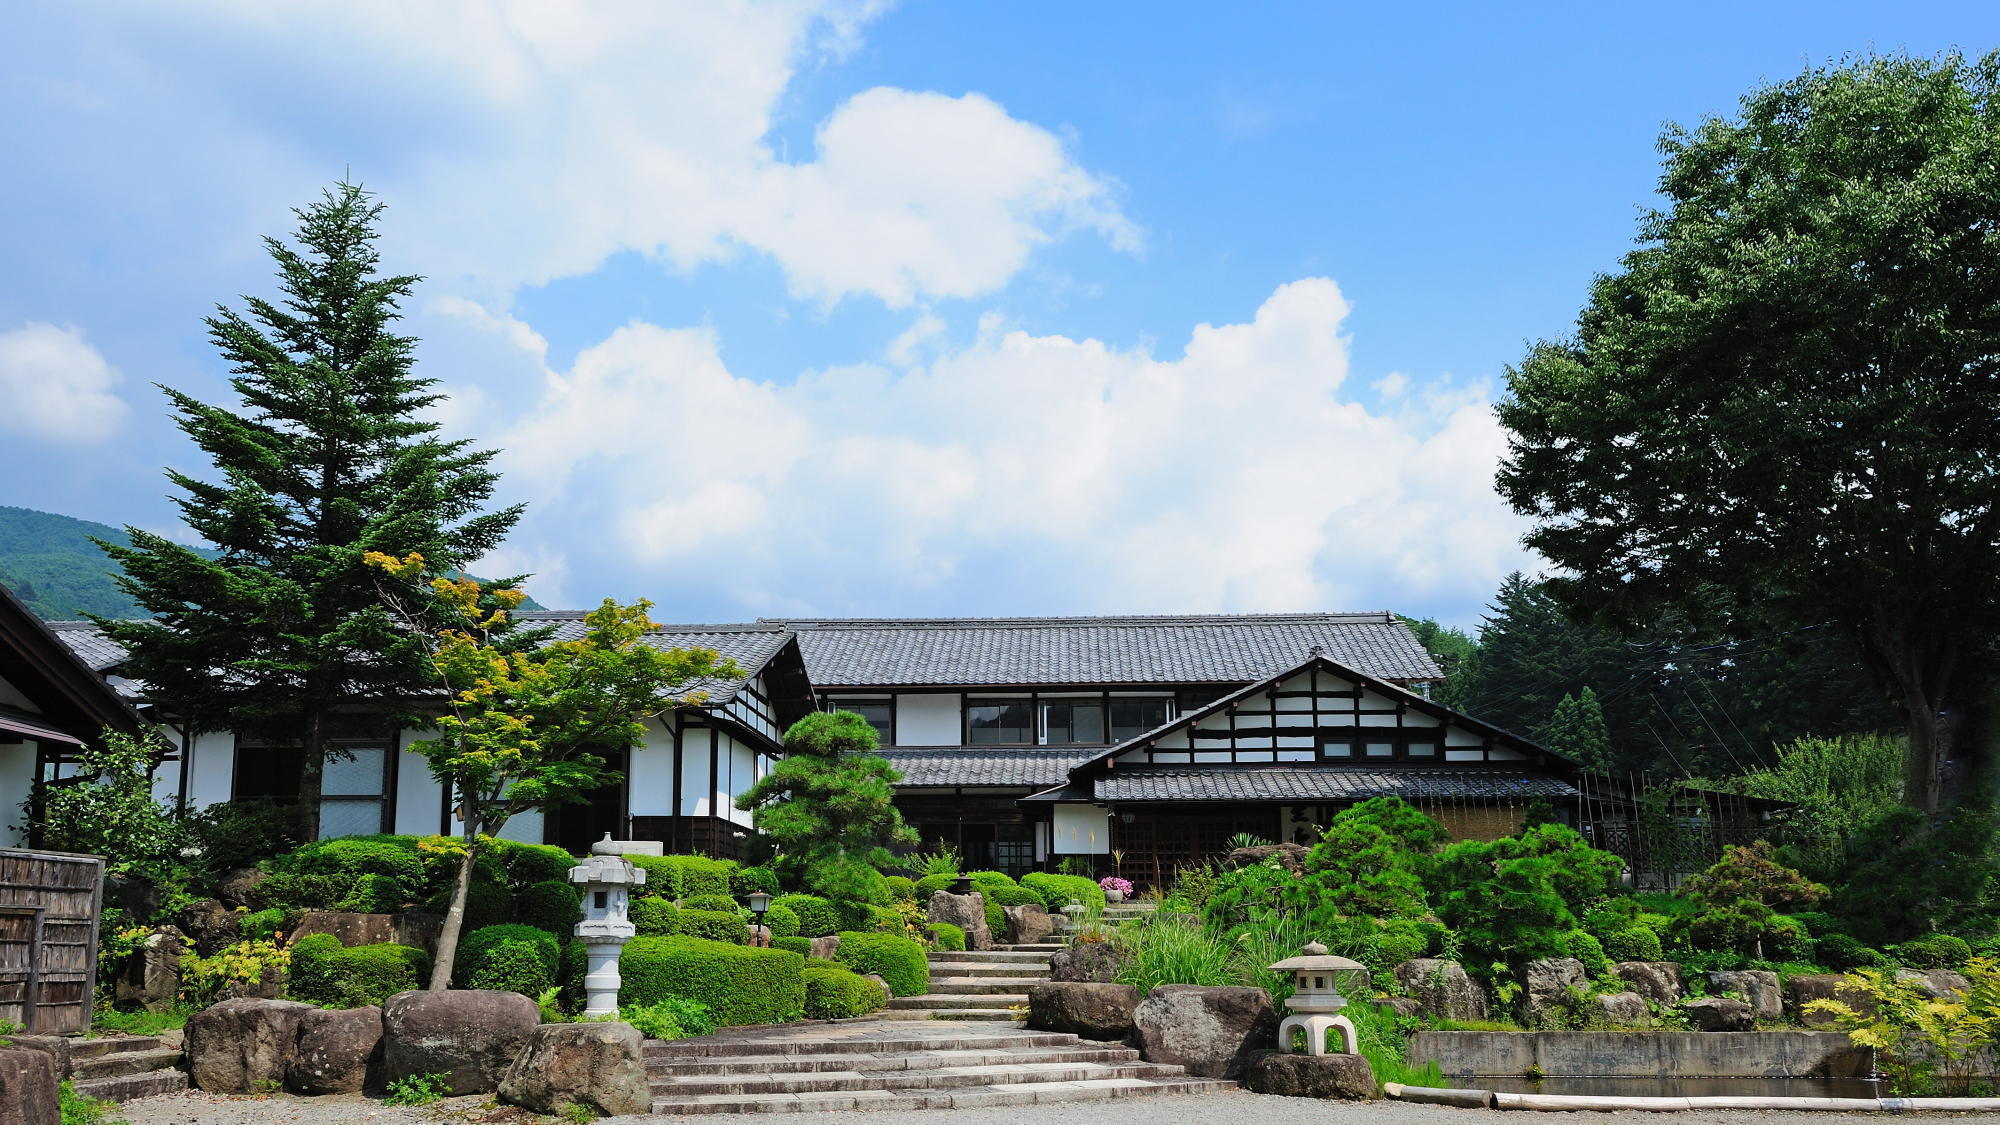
(956, 767)
(1313, 784)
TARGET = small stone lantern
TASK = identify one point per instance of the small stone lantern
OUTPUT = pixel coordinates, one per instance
(1316, 1000)
(605, 878)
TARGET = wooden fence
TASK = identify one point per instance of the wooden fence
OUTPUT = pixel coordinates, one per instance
(49, 906)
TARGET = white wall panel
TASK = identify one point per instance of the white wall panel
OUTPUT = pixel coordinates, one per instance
(928, 720)
(650, 772)
(17, 777)
(419, 797)
(1082, 830)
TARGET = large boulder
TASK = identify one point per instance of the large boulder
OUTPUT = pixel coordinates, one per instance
(1803, 990)
(1310, 1076)
(1093, 1011)
(1028, 925)
(338, 1052)
(28, 1088)
(1550, 985)
(1628, 1009)
(243, 1046)
(152, 977)
(239, 888)
(1758, 987)
(824, 948)
(1719, 1013)
(352, 929)
(1442, 989)
(1938, 984)
(1658, 981)
(1209, 1030)
(470, 1036)
(967, 912)
(210, 925)
(1292, 857)
(137, 897)
(598, 1065)
(1095, 962)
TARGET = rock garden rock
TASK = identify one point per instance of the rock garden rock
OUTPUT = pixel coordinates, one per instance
(210, 925)
(243, 1046)
(1758, 987)
(825, 947)
(967, 912)
(352, 929)
(419, 929)
(1090, 961)
(152, 978)
(599, 1065)
(1717, 1013)
(137, 897)
(1938, 984)
(338, 1052)
(1803, 990)
(471, 1036)
(1093, 1011)
(57, 1047)
(1442, 989)
(1401, 1005)
(28, 1088)
(1209, 1030)
(1626, 1008)
(1550, 983)
(239, 888)
(1028, 925)
(1310, 1076)
(1658, 981)
(1292, 857)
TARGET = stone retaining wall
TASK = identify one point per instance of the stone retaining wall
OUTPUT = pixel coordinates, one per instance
(1643, 1054)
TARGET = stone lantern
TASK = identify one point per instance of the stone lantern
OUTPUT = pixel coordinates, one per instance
(606, 879)
(1316, 1001)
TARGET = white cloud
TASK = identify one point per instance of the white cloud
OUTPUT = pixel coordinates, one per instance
(1056, 472)
(57, 386)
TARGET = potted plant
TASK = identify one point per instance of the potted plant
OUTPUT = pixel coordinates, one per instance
(1115, 889)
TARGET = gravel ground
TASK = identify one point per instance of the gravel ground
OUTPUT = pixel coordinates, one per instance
(206, 1109)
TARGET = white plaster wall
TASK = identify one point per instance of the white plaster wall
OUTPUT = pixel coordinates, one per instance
(928, 720)
(524, 828)
(17, 777)
(419, 796)
(1082, 830)
(742, 775)
(650, 773)
(696, 790)
(212, 772)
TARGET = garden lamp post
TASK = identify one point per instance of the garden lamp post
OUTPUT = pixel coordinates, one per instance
(606, 879)
(1316, 1000)
(759, 903)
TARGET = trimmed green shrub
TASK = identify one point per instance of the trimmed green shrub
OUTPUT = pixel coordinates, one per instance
(1842, 953)
(1015, 896)
(524, 865)
(487, 904)
(782, 921)
(855, 915)
(323, 972)
(901, 962)
(261, 925)
(654, 917)
(662, 878)
(903, 888)
(1635, 944)
(671, 1018)
(996, 918)
(1933, 951)
(569, 977)
(745, 881)
(715, 925)
(984, 879)
(1058, 891)
(799, 945)
(552, 906)
(1589, 950)
(1394, 943)
(932, 884)
(1818, 923)
(698, 874)
(709, 902)
(1786, 939)
(835, 993)
(947, 936)
(817, 917)
(739, 984)
(510, 957)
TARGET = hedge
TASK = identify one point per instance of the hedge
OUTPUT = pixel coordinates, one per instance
(835, 993)
(264, 924)
(746, 881)
(739, 984)
(509, 957)
(654, 917)
(525, 865)
(1589, 950)
(549, 905)
(904, 889)
(782, 921)
(901, 962)
(984, 879)
(662, 878)
(487, 904)
(1635, 944)
(325, 973)
(709, 902)
(817, 917)
(947, 936)
(932, 884)
(699, 875)
(715, 925)
(1934, 951)
(800, 945)
(1014, 896)
(996, 918)
(1058, 891)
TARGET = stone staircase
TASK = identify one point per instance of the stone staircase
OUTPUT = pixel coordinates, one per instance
(122, 1069)
(888, 1064)
(983, 985)
(1128, 911)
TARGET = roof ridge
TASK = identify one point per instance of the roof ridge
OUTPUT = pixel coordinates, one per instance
(1135, 620)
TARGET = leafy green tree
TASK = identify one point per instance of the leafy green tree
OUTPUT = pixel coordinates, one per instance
(326, 457)
(1780, 411)
(524, 719)
(106, 807)
(1577, 732)
(828, 807)
(1454, 649)
(1513, 900)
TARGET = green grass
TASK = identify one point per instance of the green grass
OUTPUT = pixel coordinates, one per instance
(75, 1109)
(1475, 1025)
(137, 1023)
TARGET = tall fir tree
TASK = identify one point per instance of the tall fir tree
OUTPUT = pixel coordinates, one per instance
(1577, 732)
(326, 457)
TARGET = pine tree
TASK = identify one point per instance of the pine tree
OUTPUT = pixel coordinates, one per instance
(828, 807)
(325, 457)
(1577, 732)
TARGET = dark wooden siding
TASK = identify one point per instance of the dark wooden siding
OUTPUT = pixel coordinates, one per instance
(49, 904)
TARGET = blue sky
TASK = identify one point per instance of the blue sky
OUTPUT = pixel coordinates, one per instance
(850, 308)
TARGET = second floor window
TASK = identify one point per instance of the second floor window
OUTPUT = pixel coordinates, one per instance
(1131, 718)
(880, 713)
(1073, 721)
(994, 722)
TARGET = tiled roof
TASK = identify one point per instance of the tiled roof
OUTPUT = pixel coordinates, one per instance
(89, 645)
(751, 646)
(1326, 783)
(947, 767)
(1230, 648)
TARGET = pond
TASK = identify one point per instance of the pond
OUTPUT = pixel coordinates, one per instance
(1668, 1086)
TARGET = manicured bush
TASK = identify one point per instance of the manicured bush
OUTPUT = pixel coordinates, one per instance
(799, 945)
(1394, 943)
(671, 1018)
(996, 919)
(699, 875)
(932, 884)
(835, 993)
(261, 925)
(817, 917)
(552, 906)
(509, 957)
(1842, 953)
(570, 977)
(1635, 944)
(947, 936)
(984, 879)
(487, 904)
(1015, 896)
(1587, 949)
(524, 865)
(739, 984)
(1058, 891)
(782, 921)
(1933, 951)
(323, 972)
(654, 916)
(903, 888)
(715, 925)
(1818, 923)
(662, 878)
(1786, 939)
(901, 962)
(745, 881)
(709, 902)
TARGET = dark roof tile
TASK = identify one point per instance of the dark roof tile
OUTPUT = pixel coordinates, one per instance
(948, 767)
(1322, 783)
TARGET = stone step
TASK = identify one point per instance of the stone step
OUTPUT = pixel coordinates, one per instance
(939, 1000)
(991, 956)
(998, 1094)
(935, 1078)
(969, 986)
(1044, 948)
(896, 1041)
(91, 1048)
(130, 1087)
(972, 1015)
(118, 1064)
(1026, 970)
(692, 1066)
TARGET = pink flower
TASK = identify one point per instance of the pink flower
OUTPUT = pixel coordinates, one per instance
(1114, 883)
